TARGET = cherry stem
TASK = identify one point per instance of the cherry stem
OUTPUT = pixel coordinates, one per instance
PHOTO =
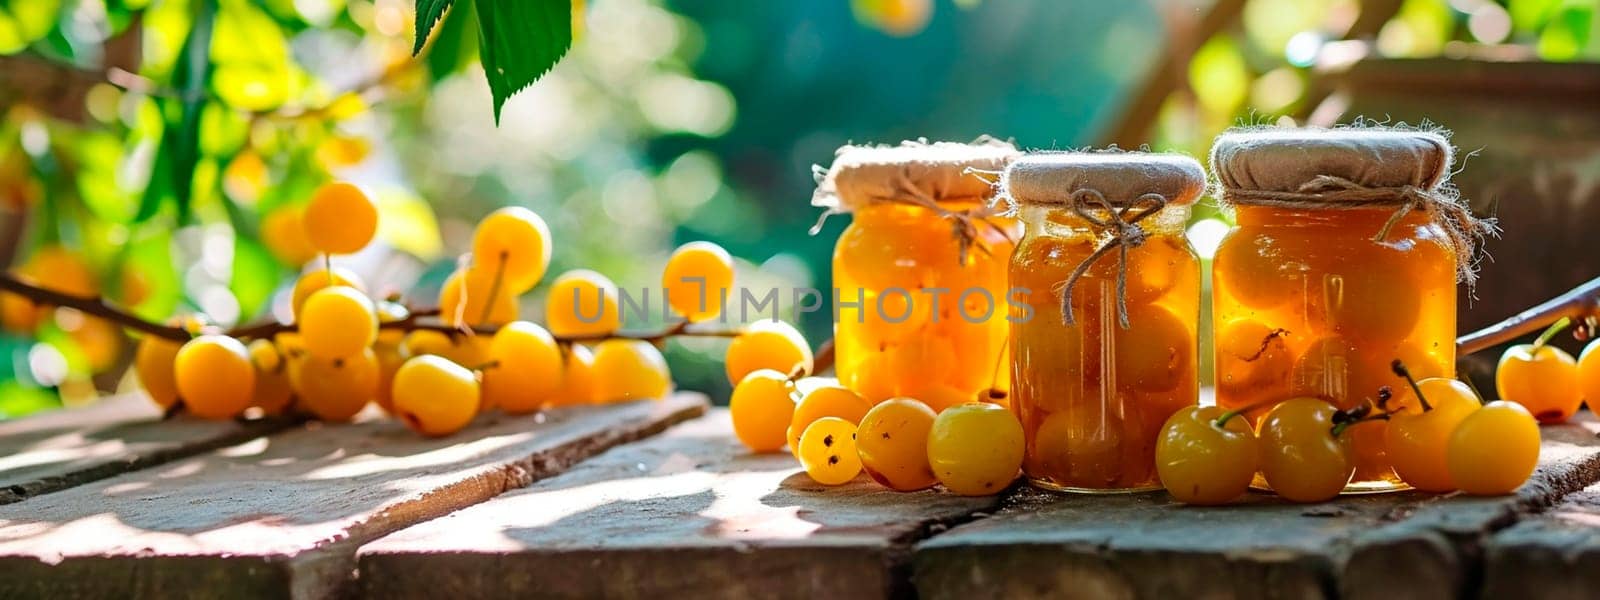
(1550, 332)
(1223, 419)
(1470, 385)
(494, 289)
(643, 336)
(327, 267)
(798, 372)
(1345, 419)
(1400, 369)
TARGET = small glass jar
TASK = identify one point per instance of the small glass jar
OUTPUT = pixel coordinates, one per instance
(1092, 395)
(1315, 297)
(920, 273)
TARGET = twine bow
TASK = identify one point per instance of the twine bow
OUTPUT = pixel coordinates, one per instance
(963, 223)
(1123, 226)
(1463, 230)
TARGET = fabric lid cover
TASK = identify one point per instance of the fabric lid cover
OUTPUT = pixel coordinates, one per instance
(862, 175)
(1122, 177)
(1284, 159)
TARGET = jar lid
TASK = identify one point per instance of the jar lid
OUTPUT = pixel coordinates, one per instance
(1289, 159)
(1121, 177)
(1363, 167)
(939, 171)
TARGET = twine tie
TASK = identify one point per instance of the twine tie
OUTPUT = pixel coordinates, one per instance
(1462, 229)
(1122, 224)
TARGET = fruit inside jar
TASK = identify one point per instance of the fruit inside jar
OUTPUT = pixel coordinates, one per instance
(913, 319)
(919, 276)
(1310, 303)
(1093, 396)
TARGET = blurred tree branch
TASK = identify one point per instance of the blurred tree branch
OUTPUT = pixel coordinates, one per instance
(1374, 14)
(13, 225)
(421, 319)
(1132, 127)
(59, 89)
(1185, 36)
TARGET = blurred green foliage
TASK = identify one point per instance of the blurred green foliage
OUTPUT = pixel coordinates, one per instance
(1263, 71)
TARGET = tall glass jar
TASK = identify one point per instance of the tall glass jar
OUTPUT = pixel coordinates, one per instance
(1320, 288)
(1092, 395)
(920, 273)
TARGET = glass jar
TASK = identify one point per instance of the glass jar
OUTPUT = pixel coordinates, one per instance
(929, 327)
(1317, 297)
(1092, 396)
(920, 273)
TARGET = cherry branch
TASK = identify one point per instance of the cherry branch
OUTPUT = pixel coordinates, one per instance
(90, 305)
(679, 329)
(273, 328)
(416, 320)
(1581, 304)
(424, 320)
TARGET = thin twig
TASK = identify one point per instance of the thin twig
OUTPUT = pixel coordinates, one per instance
(272, 328)
(1579, 303)
(1185, 37)
(679, 329)
(90, 305)
(367, 87)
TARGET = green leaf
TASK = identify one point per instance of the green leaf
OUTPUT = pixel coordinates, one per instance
(1531, 15)
(23, 22)
(180, 142)
(100, 157)
(56, 45)
(519, 41)
(409, 224)
(150, 253)
(456, 44)
(223, 131)
(1567, 34)
(1219, 76)
(255, 276)
(158, 189)
(19, 400)
(163, 29)
(428, 14)
(252, 67)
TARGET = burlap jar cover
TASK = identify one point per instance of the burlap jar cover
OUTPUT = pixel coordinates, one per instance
(1397, 168)
(1111, 191)
(946, 178)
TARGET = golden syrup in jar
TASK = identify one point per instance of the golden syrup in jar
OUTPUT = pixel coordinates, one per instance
(913, 319)
(1308, 303)
(919, 276)
(1348, 249)
(1092, 397)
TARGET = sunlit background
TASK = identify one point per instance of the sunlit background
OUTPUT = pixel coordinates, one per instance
(668, 122)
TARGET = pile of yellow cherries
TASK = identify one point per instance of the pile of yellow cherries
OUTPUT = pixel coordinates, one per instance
(346, 349)
(972, 449)
(1441, 436)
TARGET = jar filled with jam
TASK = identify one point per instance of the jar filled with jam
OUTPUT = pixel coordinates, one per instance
(1106, 304)
(1346, 257)
(920, 274)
